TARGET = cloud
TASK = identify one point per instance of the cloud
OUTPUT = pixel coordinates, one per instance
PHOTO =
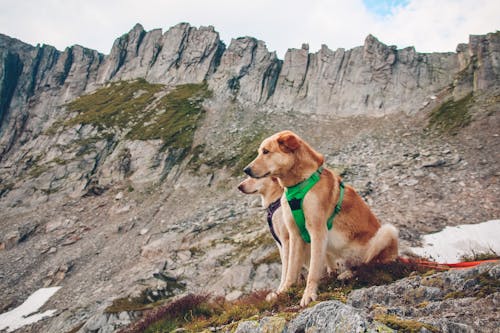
(427, 24)
(433, 26)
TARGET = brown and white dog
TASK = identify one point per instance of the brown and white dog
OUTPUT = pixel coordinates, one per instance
(356, 237)
(270, 192)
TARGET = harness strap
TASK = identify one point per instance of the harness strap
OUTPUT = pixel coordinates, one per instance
(270, 212)
(329, 222)
(295, 195)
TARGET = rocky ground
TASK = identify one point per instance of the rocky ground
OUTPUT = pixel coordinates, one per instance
(195, 232)
(443, 302)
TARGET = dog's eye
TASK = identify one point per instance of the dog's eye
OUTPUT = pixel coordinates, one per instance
(265, 151)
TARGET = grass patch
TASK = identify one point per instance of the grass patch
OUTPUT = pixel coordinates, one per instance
(476, 256)
(114, 105)
(143, 111)
(175, 117)
(404, 325)
(451, 115)
(195, 313)
(236, 157)
(138, 303)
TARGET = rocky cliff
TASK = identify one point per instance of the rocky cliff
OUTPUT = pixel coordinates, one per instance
(374, 79)
(118, 172)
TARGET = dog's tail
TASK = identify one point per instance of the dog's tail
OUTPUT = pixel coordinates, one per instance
(384, 245)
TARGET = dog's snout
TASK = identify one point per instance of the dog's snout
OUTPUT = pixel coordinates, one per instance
(240, 187)
(248, 171)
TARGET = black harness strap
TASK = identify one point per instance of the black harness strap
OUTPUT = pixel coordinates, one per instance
(270, 212)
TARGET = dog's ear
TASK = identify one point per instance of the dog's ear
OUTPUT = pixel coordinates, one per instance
(288, 142)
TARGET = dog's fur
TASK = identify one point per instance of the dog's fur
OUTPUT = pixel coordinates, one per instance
(270, 191)
(356, 237)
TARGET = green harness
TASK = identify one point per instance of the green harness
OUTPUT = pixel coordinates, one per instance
(295, 196)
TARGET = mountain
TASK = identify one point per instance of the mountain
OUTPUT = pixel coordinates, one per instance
(118, 172)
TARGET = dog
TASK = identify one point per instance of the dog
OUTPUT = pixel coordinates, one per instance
(356, 237)
(270, 192)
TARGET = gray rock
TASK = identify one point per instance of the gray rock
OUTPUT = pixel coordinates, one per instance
(440, 300)
(334, 316)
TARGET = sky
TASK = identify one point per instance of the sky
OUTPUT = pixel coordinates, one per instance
(428, 25)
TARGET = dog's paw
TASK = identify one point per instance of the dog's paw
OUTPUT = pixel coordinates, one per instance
(283, 288)
(308, 297)
(345, 275)
(272, 296)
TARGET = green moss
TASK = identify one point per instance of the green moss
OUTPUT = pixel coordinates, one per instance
(161, 326)
(234, 158)
(143, 111)
(113, 106)
(175, 117)
(454, 294)
(59, 161)
(138, 303)
(249, 145)
(487, 285)
(37, 170)
(451, 115)
(404, 325)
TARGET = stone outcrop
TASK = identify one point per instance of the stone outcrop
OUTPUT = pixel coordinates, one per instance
(183, 54)
(247, 71)
(443, 302)
(374, 79)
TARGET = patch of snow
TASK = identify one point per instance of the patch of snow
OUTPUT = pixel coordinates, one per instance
(27, 313)
(451, 243)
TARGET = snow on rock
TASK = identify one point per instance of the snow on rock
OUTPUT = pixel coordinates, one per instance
(27, 313)
(451, 243)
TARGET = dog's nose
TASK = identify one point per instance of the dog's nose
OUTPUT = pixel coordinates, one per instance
(240, 187)
(248, 171)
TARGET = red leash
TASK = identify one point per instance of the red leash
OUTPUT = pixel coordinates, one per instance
(445, 266)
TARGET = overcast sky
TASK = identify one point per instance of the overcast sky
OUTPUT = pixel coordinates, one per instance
(429, 25)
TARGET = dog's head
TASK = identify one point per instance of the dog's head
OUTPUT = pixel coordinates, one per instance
(282, 152)
(261, 185)
(268, 188)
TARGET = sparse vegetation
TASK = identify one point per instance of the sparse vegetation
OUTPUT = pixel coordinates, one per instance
(475, 256)
(129, 304)
(143, 111)
(194, 313)
(451, 115)
(404, 325)
(235, 158)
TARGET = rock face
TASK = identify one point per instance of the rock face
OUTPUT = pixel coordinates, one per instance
(183, 54)
(373, 79)
(445, 302)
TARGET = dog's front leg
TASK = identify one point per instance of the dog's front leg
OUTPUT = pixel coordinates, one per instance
(318, 233)
(295, 253)
(284, 250)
